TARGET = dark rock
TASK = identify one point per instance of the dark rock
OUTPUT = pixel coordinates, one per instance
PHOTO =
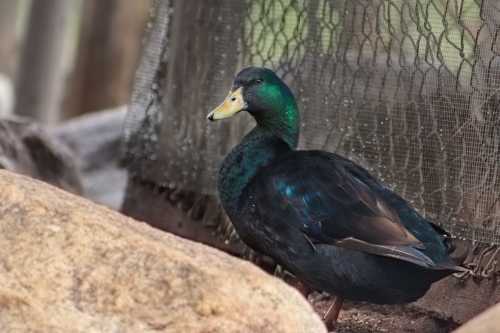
(96, 140)
(29, 149)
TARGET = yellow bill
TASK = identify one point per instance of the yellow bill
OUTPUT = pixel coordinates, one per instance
(232, 104)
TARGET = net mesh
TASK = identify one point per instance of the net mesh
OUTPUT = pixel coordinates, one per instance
(407, 88)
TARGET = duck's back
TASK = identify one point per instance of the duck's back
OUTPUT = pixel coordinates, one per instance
(331, 198)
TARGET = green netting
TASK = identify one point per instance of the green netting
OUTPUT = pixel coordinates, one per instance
(407, 88)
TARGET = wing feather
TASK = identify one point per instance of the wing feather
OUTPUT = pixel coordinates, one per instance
(332, 203)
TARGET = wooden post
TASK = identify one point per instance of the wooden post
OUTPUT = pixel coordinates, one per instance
(41, 70)
(108, 52)
(8, 37)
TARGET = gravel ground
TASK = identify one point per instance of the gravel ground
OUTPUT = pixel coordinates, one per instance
(369, 318)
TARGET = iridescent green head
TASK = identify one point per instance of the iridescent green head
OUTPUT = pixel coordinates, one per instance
(267, 98)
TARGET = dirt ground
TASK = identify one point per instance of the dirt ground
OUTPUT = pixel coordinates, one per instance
(369, 318)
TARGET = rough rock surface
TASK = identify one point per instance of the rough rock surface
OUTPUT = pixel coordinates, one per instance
(68, 265)
(486, 322)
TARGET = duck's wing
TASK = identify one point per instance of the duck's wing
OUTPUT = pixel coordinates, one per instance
(331, 200)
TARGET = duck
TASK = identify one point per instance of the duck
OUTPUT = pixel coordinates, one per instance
(321, 216)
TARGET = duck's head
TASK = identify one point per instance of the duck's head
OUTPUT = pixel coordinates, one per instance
(260, 92)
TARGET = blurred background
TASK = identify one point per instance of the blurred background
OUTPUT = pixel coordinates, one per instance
(64, 58)
(60, 62)
(407, 88)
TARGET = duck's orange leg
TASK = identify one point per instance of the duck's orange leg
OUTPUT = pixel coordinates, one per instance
(331, 315)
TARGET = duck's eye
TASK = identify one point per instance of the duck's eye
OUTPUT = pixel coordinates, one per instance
(257, 81)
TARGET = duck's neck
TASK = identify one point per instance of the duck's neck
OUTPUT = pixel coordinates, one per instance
(282, 116)
(258, 148)
(271, 137)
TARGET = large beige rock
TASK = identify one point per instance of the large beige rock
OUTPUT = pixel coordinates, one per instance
(67, 265)
(486, 322)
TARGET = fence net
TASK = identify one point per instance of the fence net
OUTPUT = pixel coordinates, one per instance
(407, 88)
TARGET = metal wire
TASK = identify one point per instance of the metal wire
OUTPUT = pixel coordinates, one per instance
(408, 88)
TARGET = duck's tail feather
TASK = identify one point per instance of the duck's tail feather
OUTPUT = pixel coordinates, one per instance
(405, 253)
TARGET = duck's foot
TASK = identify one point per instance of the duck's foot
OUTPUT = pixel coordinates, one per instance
(331, 315)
